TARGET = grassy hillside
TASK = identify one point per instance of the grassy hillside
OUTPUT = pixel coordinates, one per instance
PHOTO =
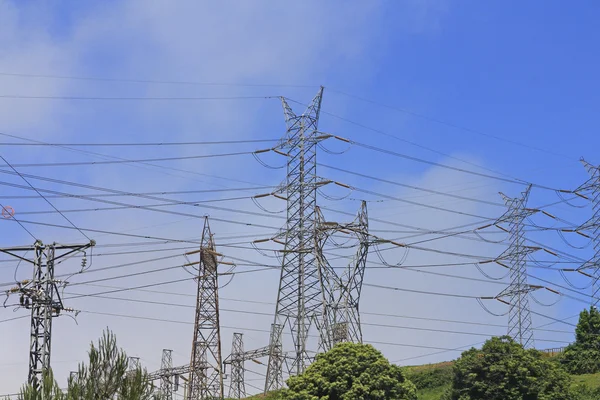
(432, 380)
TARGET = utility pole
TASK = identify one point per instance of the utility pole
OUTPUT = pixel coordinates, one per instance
(206, 375)
(42, 296)
(166, 385)
(514, 258)
(592, 192)
(237, 387)
(341, 292)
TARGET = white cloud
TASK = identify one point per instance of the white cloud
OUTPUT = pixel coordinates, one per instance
(234, 42)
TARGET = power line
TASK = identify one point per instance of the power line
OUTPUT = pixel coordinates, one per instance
(140, 144)
(160, 168)
(45, 199)
(135, 98)
(411, 186)
(449, 124)
(151, 81)
(270, 314)
(79, 163)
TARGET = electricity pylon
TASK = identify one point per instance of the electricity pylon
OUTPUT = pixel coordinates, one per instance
(206, 375)
(166, 385)
(133, 363)
(237, 387)
(519, 319)
(341, 292)
(42, 296)
(299, 302)
(592, 191)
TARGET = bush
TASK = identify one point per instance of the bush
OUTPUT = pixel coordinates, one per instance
(351, 371)
(504, 370)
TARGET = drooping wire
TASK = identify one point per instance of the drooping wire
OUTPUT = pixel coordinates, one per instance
(567, 201)
(568, 281)
(332, 198)
(326, 150)
(560, 297)
(257, 204)
(382, 259)
(564, 239)
(480, 302)
(264, 164)
(488, 275)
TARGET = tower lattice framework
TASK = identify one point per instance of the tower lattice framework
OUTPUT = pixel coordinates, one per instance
(42, 296)
(206, 375)
(237, 387)
(517, 293)
(592, 191)
(166, 385)
(341, 291)
(299, 302)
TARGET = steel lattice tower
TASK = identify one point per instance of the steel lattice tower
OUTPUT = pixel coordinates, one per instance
(519, 320)
(299, 302)
(206, 375)
(41, 295)
(341, 292)
(274, 378)
(133, 363)
(237, 388)
(166, 364)
(592, 189)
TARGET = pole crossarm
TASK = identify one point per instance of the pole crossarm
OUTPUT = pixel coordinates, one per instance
(41, 295)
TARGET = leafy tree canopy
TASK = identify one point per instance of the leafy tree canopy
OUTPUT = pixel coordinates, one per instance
(504, 370)
(105, 376)
(350, 371)
(583, 356)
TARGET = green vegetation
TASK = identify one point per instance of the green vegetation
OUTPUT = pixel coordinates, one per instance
(583, 356)
(350, 372)
(504, 370)
(501, 370)
(104, 377)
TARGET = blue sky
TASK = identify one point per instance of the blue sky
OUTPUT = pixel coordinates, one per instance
(440, 79)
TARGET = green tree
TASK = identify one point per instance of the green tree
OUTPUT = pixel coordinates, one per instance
(350, 372)
(583, 356)
(504, 370)
(105, 376)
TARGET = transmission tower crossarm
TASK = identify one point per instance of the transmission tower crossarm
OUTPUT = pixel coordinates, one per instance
(206, 374)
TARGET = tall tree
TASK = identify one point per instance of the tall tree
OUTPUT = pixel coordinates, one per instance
(583, 356)
(105, 376)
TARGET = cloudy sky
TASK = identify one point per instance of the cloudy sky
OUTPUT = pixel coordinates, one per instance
(471, 99)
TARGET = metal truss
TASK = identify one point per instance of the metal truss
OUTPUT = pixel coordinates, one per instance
(42, 296)
(238, 356)
(517, 293)
(133, 363)
(206, 375)
(237, 387)
(341, 292)
(166, 384)
(299, 304)
(592, 191)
